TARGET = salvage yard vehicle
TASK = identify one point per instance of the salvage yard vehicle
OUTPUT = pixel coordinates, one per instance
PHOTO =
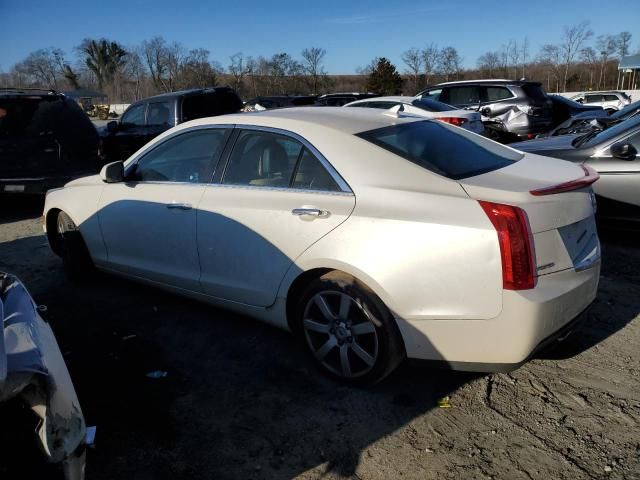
(148, 118)
(614, 154)
(611, 102)
(32, 367)
(46, 140)
(340, 99)
(374, 237)
(511, 109)
(594, 120)
(427, 108)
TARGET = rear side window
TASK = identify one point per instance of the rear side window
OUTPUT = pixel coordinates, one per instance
(440, 150)
(311, 175)
(210, 105)
(610, 98)
(498, 93)
(534, 91)
(432, 94)
(462, 95)
(431, 105)
(593, 98)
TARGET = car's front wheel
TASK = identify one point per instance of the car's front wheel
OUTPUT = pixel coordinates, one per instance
(348, 330)
(71, 247)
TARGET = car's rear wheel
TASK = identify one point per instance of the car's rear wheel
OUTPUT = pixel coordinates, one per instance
(348, 330)
(71, 247)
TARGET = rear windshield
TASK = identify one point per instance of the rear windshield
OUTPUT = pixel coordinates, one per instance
(432, 105)
(534, 91)
(454, 154)
(210, 105)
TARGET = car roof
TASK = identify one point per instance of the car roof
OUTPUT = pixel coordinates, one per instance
(390, 98)
(18, 92)
(497, 81)
(344, 120)
(188, 92)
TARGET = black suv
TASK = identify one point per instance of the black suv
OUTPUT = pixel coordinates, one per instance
(46, 140)
(148, 118)
(511, 109)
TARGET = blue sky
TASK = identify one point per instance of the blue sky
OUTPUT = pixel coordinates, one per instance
(353, 33)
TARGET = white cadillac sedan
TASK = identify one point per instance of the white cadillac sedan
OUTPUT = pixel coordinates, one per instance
(371, 235)
(426, 107)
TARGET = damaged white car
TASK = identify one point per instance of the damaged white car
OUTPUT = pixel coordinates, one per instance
(32, 367)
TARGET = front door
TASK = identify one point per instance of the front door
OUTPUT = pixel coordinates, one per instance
(148, 222)
(277, 197)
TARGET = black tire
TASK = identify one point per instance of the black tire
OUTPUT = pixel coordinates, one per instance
(72, 249)
(364, 335)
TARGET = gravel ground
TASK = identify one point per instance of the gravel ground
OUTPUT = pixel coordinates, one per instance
(241, 401)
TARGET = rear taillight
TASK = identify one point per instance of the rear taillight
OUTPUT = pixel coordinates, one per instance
(590, 176)
(457, 121)
(516, 251)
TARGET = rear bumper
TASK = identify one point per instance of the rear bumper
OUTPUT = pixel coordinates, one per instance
(529, 321)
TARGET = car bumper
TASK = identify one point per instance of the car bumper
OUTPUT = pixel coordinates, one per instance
(529, 321)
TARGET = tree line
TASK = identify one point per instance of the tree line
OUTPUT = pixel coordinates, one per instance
(578, 61)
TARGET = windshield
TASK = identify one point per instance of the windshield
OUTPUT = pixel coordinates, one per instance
(613, 132)
(454, 154)
(432, 105)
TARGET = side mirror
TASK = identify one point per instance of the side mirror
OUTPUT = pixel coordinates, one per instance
(112, 126)
(624, 151)
(486, 111)
(112, 172)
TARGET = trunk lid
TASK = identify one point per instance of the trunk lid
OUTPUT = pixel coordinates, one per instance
(562, 224)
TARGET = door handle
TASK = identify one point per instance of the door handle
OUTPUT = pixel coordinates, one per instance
(314, 212)
(179, 206)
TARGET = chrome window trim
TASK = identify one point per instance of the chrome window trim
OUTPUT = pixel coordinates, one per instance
(281, 189)
(342, 184)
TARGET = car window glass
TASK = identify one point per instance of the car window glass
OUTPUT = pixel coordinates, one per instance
(219, 102)
(189, 157)
(160, 113)
(383, 105)
(431, 105)
(463, 95)
(262, 159)
(444, 150)
(432, 94)
(592, 98)
(311, 175)
(498, 93)
(134, 116)
(610, 98)
(361, 105)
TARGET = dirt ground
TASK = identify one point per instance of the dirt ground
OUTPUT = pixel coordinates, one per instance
(240, 400)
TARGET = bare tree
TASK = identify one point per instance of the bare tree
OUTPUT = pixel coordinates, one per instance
(550, 57)
(606, 45)
(154, 52)
(313, 66)
(43, 67)
(489, 62)
(623, 43)
(238, 68)
(413, 60)
(572, 40)
(430, 60)
(524, 53)
(104, 58)
(513, 51)
(450, 62)
(589, 56)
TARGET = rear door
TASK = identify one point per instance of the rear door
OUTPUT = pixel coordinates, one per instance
(276, 197)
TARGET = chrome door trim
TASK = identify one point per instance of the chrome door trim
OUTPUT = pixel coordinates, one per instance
(261, 188)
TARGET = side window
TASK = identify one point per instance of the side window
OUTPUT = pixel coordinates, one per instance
(498, 93)
(262, 159)
(384, 105)
(311, 175)
(134, 116)
(160, 113)
(592, 98)
(611, 98)
(433, 94)
(189, 157)
(463, 95)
